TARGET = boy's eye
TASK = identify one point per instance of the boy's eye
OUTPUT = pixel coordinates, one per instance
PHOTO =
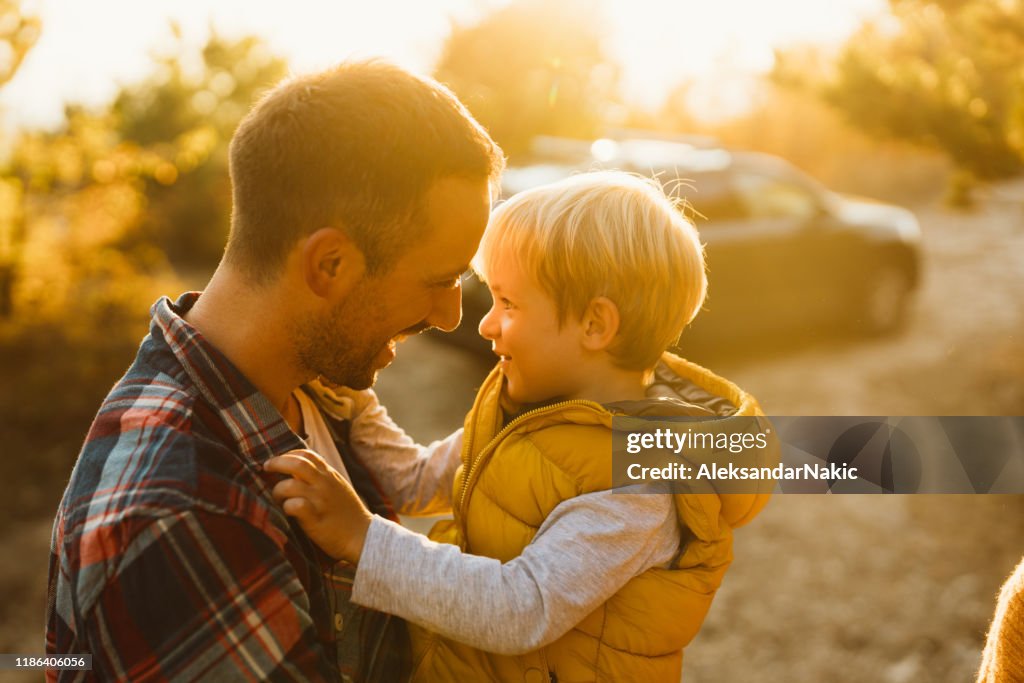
(505, 303)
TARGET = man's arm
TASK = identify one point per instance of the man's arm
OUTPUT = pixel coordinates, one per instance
(585, 551)
(203, 595)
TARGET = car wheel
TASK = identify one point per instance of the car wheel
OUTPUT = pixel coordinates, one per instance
(883, 300)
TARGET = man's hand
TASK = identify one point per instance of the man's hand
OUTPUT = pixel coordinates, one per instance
(325, 505)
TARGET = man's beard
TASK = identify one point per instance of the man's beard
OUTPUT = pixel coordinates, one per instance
(327, 346)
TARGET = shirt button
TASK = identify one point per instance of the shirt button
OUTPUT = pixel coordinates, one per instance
(534, 676)
(339, 621)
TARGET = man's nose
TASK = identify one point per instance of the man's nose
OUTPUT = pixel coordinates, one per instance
(447, 312)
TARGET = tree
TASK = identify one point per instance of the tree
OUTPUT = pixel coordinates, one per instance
(18, 33)
(188, 119)
(532, 68)
(946, 75)
(91, 212)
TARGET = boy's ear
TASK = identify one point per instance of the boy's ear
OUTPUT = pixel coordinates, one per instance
(331, 263)
(600, 324)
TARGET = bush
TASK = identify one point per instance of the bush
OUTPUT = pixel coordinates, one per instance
(54, 383)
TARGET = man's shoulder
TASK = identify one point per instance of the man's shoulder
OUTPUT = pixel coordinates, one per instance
(156, 447)
(147, 396)
(149, 412)
(150, 465)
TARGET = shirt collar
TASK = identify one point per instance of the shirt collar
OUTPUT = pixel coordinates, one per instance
(257, 427)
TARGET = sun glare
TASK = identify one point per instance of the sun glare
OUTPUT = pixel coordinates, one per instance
(87, 50)
(719, 46)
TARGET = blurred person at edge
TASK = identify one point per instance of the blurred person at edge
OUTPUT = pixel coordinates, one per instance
(1003, 658)
(359, 197)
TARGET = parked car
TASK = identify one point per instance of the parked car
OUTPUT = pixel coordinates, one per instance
(787, 258)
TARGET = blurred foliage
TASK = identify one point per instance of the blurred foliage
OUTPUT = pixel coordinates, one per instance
(186, 114)
(97, 218)
(943, 74)
(532, 68)
(78, 197)
(18, 33)
(105, 200)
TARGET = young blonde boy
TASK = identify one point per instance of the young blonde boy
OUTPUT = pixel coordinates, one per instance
(545, 573)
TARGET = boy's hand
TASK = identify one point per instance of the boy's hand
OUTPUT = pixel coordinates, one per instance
(325, 505)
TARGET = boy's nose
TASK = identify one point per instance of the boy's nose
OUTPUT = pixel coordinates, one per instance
(489, 328)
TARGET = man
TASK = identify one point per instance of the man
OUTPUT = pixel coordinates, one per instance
(360, 195)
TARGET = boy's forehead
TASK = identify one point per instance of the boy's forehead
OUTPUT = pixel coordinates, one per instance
(507, 274)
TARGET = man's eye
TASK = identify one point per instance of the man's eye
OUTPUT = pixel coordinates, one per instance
(455, 282)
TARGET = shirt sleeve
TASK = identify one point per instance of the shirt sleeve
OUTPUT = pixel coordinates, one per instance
(585, 551)
(418, 479)
(204, 596)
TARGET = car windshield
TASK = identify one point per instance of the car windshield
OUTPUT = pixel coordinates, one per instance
(517, 179)
(770, 197)
(707, 197)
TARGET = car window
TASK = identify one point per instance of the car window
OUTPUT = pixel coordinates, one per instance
(724, 206)
(515, 179)
(710, 198)
(767, 197)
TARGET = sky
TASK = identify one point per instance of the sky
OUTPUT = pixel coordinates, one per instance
(88, 48)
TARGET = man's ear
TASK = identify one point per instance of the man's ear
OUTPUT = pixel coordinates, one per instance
(331, 263)
(600, 324)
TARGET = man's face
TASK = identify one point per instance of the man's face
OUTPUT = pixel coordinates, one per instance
(422, 290)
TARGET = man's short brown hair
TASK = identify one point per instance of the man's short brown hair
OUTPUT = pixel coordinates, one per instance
(354, 147)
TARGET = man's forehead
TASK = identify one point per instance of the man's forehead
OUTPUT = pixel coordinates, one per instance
(457, 210)
(460, 201)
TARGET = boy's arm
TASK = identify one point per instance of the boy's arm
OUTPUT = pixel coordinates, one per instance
(585, 551)
(417, 479)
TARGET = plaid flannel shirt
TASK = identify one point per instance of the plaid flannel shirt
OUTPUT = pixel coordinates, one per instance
(170, 560)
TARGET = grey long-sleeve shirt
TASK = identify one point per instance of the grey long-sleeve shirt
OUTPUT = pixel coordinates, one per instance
(584, 552)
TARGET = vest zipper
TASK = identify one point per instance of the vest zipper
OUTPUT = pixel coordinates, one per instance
(485, 452)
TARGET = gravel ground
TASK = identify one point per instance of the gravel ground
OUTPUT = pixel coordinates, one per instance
(837, 588)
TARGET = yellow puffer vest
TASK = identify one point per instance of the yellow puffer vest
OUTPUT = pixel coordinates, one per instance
(513, 477)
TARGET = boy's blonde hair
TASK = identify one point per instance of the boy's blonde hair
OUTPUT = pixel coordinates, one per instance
(612, 234)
